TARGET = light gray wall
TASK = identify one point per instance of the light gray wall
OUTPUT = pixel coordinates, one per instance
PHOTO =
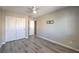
(65, 29)
(0, 26)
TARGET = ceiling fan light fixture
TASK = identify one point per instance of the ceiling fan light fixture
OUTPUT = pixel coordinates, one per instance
(34, 12)
(35, 8)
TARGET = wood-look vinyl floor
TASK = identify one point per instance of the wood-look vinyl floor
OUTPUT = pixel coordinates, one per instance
(33, 45)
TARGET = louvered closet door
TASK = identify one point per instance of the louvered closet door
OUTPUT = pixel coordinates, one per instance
(10, 28)
(20, 28)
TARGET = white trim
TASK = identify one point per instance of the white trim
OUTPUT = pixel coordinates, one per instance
(2, 44)
(5, 42)
(26, 37)
(58, 43)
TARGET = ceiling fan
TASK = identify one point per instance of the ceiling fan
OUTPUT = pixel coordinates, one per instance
(32, 10)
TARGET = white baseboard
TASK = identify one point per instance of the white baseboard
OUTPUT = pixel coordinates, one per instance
(58, 43)
(2, 44)
(26, 37)
(5, 42)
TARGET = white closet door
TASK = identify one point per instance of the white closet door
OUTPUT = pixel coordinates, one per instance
(20, 28)
(10, 31)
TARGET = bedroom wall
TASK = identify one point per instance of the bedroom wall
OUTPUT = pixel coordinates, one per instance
(65, 29)
(0, 26)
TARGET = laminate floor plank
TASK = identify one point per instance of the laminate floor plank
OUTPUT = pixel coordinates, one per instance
(33, 45)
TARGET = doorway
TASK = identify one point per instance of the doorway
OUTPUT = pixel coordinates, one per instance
(31, 27)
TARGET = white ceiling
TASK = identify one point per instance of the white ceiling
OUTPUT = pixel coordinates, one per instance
(28, 9)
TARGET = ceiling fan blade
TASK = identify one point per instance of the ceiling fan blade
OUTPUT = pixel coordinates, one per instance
(28, 11)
